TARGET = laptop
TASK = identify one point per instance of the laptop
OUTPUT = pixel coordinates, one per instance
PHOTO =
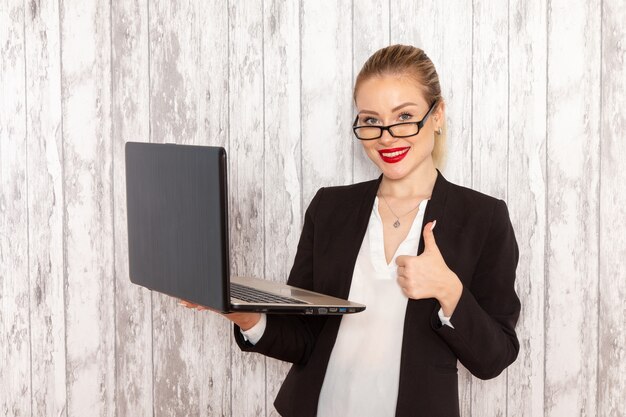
(178, 242)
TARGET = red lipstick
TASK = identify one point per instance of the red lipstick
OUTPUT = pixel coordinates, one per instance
(393, 155)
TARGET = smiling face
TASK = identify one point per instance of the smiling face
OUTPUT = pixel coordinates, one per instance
(390, 99)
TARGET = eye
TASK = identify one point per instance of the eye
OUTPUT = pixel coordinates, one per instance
(404, 116)
(370, 121)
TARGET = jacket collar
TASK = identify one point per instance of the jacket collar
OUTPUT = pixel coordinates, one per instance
(435, 207)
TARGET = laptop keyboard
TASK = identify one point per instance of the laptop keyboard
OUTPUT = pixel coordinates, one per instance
(253, 295)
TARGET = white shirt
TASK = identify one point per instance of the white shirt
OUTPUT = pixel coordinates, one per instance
(363, 370)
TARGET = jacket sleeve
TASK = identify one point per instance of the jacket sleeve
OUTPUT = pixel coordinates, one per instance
(287, 337)
(483, 337)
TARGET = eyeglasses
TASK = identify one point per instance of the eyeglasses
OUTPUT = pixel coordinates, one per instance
(398, 130)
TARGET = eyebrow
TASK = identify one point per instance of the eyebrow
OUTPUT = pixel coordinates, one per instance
(408, 103)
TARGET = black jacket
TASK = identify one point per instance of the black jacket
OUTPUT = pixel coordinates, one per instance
(476, 239)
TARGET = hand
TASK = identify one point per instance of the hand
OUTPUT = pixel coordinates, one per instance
(428, 276)
(244, 320)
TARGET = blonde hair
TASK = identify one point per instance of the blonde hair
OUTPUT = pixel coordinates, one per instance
(406, 60)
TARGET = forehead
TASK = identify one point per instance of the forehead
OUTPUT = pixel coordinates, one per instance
(387, 91)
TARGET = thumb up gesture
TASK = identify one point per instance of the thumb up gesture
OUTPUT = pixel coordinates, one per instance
(428, 276)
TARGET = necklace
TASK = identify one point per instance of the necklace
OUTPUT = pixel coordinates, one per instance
(396, 224)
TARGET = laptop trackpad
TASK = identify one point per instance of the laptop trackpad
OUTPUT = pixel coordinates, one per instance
(294, 293)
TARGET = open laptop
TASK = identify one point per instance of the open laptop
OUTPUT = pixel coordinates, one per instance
(178, 242)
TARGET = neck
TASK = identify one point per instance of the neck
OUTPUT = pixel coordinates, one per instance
(418, 183)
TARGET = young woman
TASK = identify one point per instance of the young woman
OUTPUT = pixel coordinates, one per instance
(430, 302)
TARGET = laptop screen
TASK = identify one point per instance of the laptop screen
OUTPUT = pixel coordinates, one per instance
(177, 221)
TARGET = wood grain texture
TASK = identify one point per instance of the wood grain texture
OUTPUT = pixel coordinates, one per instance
(455, 66)
(190, 348)
(212, 101)
(490, 78)
(326, 47)
(429, 36)
(130, 122)
(46, 208)
(246, 190)
(15, 367)
(612, 217)
(534, 96)
(573, 97)
(527, 198)
(489, 96)
(283, 170)
(88, 226)
(370, 32)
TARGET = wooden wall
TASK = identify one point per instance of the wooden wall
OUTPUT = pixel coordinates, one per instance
(535, 93)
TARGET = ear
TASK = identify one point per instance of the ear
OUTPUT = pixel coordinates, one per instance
(440, 112)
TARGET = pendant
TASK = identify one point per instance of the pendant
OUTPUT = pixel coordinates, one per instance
(396, 224)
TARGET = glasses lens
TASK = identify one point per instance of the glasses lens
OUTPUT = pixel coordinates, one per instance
(367, 132)
(407, 129)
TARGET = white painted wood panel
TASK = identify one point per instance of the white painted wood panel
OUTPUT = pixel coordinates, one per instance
(326, 48)
(612, 217)
(130, 122)
(246, 178)
(212, 102)
(191, 356)
(15, 364)
(573, 140)
(282, 162)
(455, 66)
(534, 94)
(490, 77)
(45, 208)
(419, 23)
(370, 32)
(89, 284)
(489, 97)
(527, 198)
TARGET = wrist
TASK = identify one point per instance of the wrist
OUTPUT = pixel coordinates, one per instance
(450, 295)
(249, 322)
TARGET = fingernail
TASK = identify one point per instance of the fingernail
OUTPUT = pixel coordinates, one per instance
(433, 225)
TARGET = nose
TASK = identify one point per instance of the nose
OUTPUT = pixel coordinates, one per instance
(386, 139)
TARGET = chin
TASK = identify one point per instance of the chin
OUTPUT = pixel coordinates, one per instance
(394, 174)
